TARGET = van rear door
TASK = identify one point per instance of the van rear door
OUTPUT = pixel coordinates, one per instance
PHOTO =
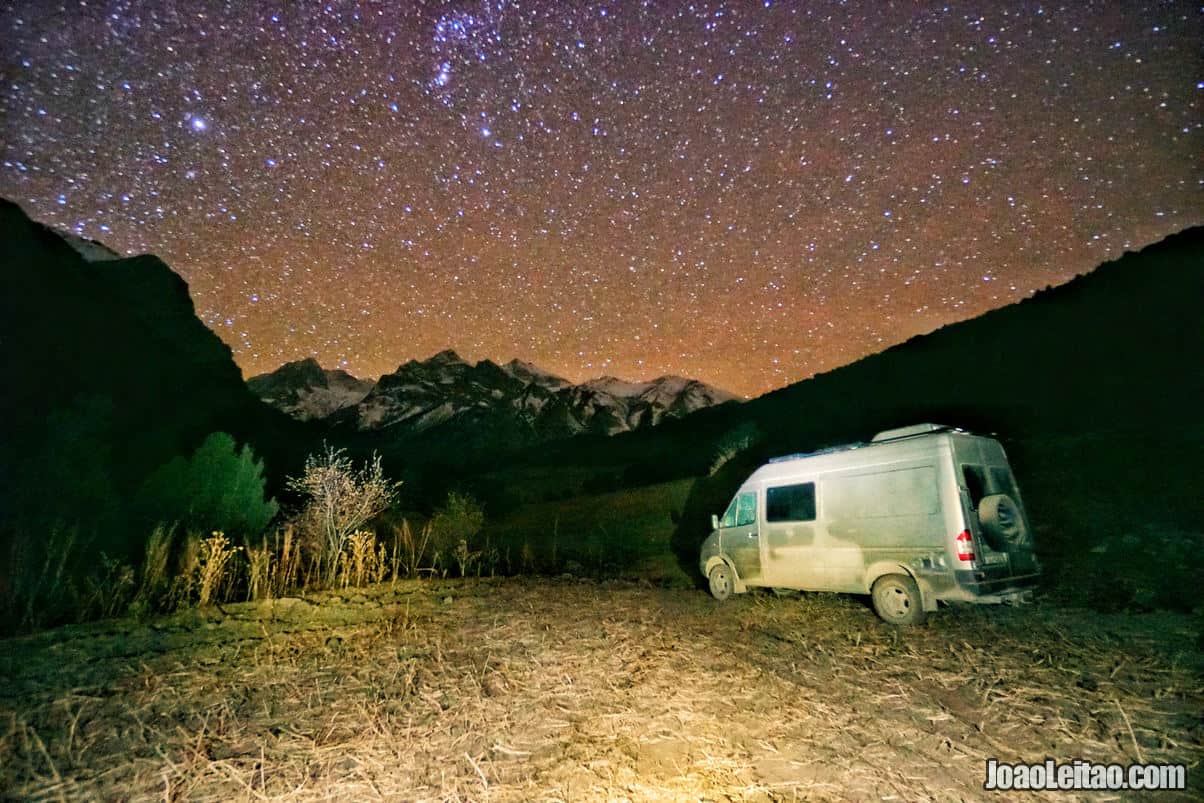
(1002, 538)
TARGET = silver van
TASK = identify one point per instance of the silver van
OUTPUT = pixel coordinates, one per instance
(917, 516)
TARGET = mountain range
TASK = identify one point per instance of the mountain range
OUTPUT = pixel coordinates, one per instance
(445, 392)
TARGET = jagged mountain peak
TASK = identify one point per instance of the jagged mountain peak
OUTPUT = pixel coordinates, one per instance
(307, 366)
(517, 397)
(446, 357)
(668, 384)
(307, 391)
(617, 387)
(531, 373)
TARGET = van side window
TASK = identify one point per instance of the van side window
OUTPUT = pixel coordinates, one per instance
(746, 510)
(742, 510)
(976, 483)
(790, 503)
(729, 515)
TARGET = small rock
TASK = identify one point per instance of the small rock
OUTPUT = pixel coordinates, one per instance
(494, 686)
(447, 600)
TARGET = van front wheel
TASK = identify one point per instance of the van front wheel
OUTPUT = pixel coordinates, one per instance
(721, 581)
(897, 600)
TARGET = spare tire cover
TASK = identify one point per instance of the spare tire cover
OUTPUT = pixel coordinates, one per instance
(1001, 521)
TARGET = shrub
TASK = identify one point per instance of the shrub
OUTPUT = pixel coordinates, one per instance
(219, 487)
(454, 527)
(340, 500)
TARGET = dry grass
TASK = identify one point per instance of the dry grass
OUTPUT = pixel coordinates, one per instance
(546, 690)
(155, 578)
(215, 552)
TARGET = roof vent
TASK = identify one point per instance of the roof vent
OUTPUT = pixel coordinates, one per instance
(910, 432)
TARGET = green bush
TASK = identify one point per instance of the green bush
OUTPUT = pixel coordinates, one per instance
(454, 528)
(219, 488)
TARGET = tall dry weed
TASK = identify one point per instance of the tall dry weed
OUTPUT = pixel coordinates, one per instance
(215, 554)
(155, 580)
(109, 589)
(412, 548)
(259, 572)
(361, 557)
(40, 587)
(187, 570)
(383, 566)
(288, 565)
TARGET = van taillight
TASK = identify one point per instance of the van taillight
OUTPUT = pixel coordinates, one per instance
(965, 546)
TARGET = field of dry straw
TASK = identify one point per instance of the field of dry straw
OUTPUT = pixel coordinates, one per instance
(525, 689)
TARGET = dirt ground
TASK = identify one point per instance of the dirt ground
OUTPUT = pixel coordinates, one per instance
(571, 690)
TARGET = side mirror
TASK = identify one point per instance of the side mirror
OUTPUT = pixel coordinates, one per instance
(714, 522)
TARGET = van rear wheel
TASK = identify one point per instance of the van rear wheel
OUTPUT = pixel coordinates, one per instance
(897, 600)
(721, 580)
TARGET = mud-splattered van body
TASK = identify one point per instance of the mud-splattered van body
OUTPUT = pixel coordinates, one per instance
(917, 516)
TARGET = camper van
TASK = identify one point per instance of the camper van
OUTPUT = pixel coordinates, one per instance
(917, 516)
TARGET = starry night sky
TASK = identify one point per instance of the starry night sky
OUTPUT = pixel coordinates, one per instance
(742, 192)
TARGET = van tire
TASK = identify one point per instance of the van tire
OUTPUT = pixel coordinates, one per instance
(1001, 521)
(721, 581)
(897, 600)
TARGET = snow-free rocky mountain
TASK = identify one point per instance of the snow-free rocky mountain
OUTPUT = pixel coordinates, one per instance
(445, 390)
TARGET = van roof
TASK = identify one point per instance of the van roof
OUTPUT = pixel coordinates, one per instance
(886, 436)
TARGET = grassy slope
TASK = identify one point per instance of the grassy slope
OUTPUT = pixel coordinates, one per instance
(620, 533)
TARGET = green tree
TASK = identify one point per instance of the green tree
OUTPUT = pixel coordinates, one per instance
(219, 488)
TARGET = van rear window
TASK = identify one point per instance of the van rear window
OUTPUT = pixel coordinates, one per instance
(1002, 482)
(981, 481)
(976, 483)
(790, 503)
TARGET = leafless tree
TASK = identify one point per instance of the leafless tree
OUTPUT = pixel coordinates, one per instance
(340, 500)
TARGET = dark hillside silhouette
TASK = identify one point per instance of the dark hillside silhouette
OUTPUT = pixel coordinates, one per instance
(108, 375)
